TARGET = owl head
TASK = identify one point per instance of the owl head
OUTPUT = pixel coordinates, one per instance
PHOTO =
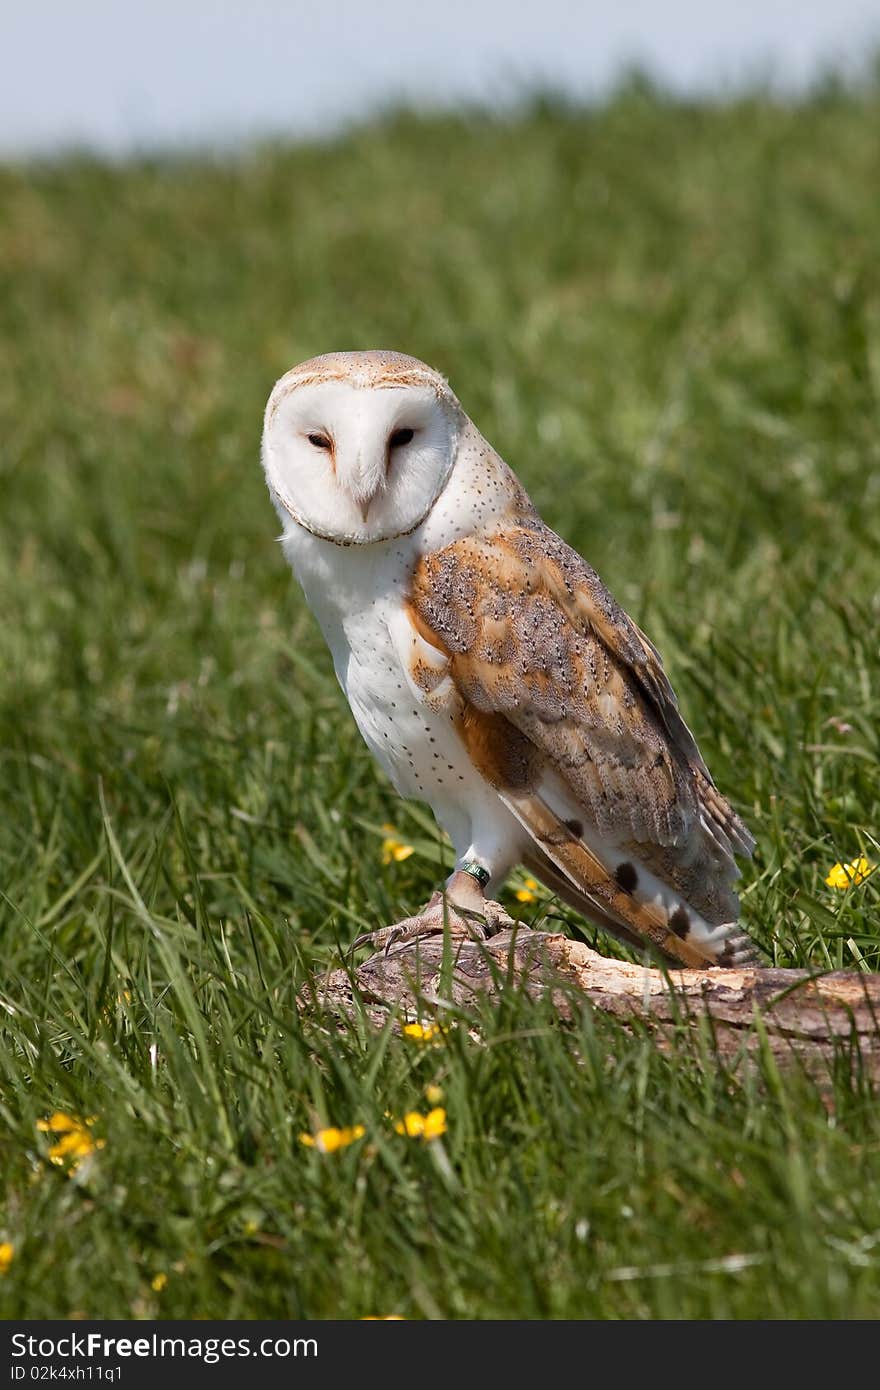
(357, 446)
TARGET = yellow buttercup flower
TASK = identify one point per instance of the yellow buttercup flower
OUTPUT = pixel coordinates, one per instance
(383, 1317)
(427, 1127)
(423, 1032)
(7, 1254)
(75, 1142)
(433, 1094)
(158, 1282)
(61, 1123)
(395, 851)
(528, 893)
(435, 1123)
(412, 1124)
(845, 875)
(327, 1141)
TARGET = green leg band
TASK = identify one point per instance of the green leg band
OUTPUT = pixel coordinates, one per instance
(476, 871)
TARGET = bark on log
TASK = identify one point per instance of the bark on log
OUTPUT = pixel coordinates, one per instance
(806, 1015)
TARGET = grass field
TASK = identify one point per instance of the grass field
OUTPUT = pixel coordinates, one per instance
(667, 319)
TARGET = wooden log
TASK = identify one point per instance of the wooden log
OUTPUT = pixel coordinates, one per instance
(808, 1015)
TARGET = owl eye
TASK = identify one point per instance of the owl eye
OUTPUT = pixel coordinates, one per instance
(320, 441)
(400, 437)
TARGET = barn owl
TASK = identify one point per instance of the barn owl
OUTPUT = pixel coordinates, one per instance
(488, 668)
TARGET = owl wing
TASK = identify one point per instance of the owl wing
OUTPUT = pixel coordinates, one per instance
(564, 706)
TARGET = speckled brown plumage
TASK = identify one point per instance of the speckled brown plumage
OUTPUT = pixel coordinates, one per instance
(568, 685)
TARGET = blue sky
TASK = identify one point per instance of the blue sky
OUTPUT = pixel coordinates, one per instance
(118, 76)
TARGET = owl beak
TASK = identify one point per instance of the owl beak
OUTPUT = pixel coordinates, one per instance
(365, 495)
(364, 478)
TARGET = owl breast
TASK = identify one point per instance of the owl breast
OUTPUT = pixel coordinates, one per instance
(416, 743)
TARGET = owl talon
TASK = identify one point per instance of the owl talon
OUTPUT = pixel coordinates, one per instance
(440, 914)
(393, 937)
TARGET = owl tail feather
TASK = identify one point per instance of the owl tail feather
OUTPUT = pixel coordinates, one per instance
(604, 886)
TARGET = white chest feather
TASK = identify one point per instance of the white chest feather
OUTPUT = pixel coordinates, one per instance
(359, 598)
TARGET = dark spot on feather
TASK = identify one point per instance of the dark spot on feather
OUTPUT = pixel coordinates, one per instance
(680, 922)
(626, 876)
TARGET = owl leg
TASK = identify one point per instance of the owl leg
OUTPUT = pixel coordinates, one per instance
(485, 852)
(459, 910)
